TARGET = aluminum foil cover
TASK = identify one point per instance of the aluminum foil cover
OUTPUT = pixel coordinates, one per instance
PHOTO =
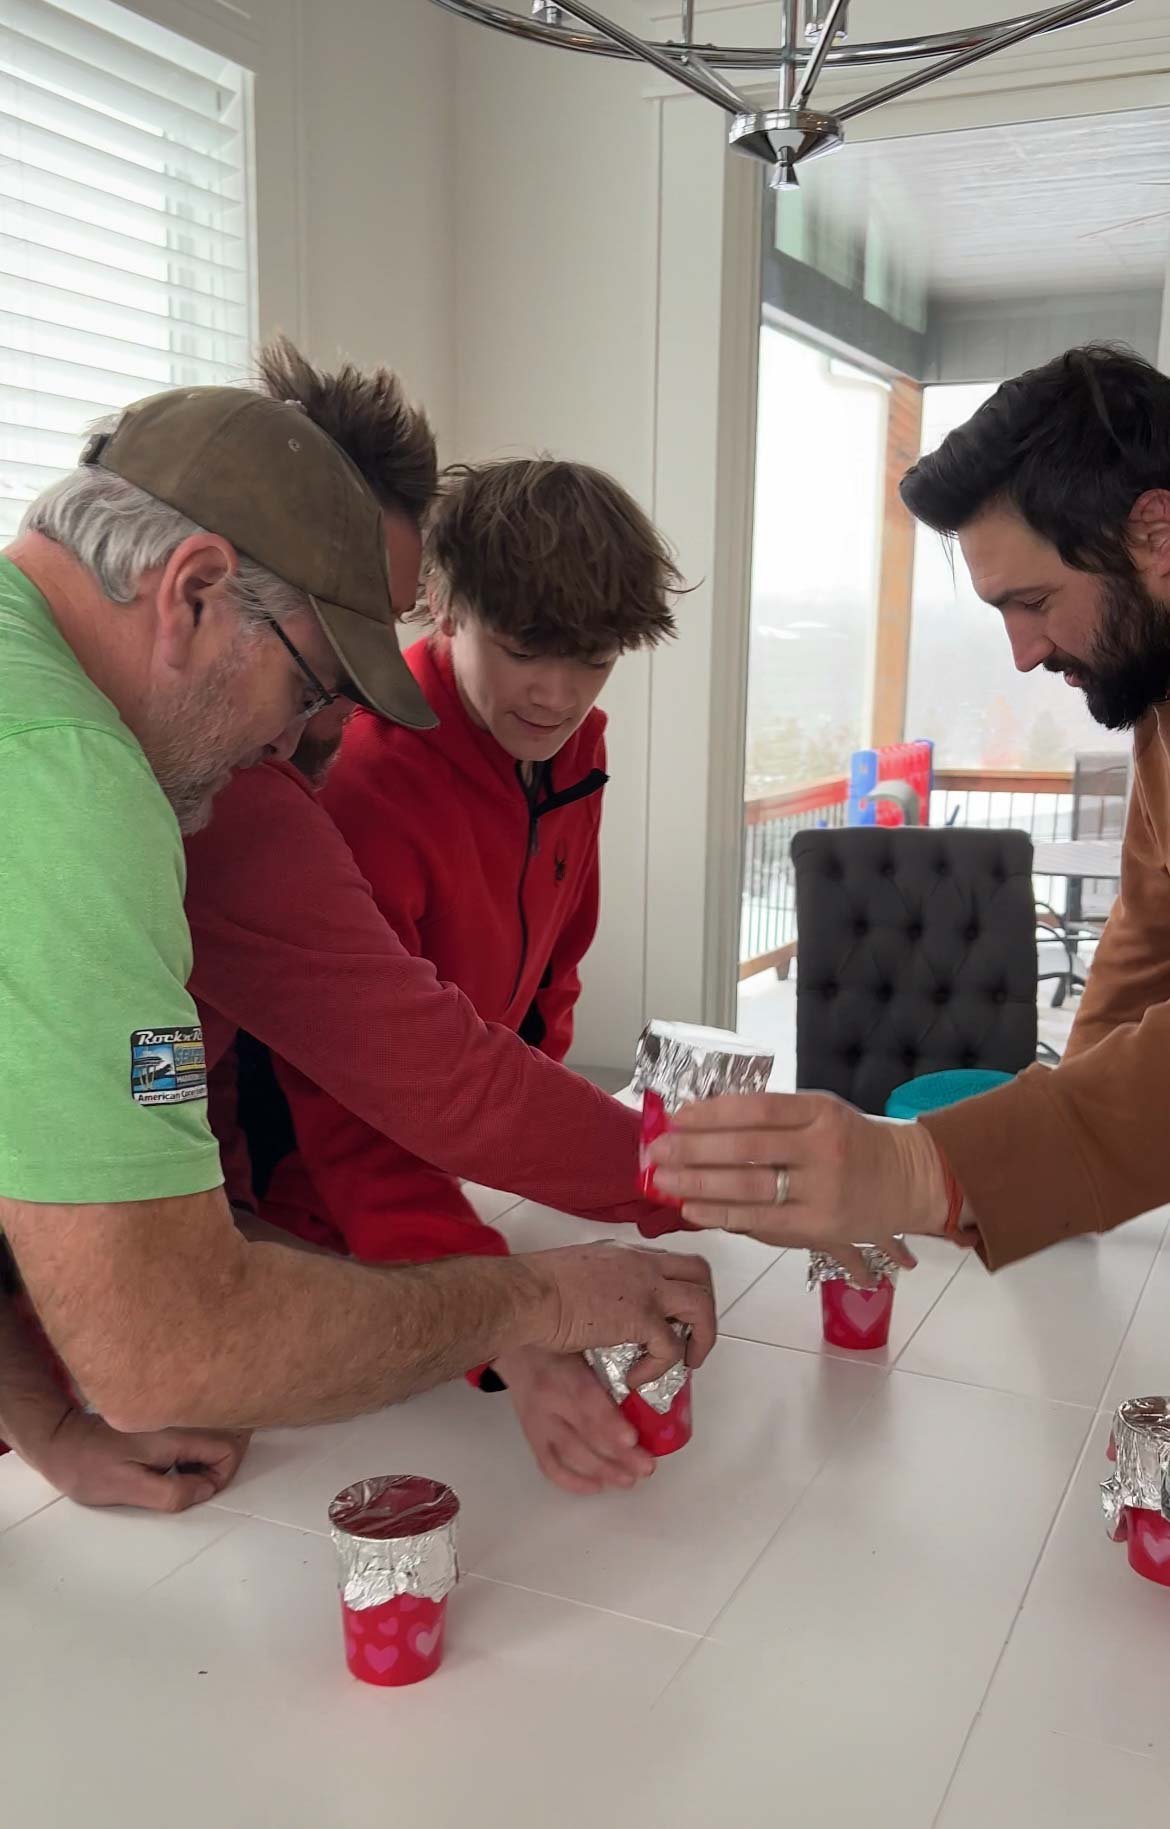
(1141, 1474)
(681, 1063)
(394, 1534)
(825, 1269)
(613, 1365)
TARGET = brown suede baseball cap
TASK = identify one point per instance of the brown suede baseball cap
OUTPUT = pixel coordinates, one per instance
(265, 476)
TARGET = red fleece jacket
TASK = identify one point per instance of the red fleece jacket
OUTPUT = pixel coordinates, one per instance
(290, 947)
(496, 885)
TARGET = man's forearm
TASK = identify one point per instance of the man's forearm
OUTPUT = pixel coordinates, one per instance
(296, 1338)
(379, 1334)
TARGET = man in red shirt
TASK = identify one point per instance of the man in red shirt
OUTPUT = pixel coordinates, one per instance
(396, 1081)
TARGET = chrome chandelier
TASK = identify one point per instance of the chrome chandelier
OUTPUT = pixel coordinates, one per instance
(812, 37)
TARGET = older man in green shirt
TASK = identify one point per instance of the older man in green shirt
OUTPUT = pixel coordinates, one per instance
(213, 574)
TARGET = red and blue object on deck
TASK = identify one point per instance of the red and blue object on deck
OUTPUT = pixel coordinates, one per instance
(912, 763)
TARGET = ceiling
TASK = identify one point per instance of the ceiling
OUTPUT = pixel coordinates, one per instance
(1077, 204)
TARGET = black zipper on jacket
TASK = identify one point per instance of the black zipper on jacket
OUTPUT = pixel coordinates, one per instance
(592, 783)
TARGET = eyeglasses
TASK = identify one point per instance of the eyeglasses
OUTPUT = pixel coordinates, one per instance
(321, 695)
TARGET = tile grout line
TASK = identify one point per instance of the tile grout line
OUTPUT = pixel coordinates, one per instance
(1010, 1634)
(997, 1390)
(36, 1512)
(304, 1530)
(842, 1357)
(758, 1278)
(195, 1555)
(569, 1600)
(883, 1372)
(914, 1332)
(1056, 1517)
(887, 1372)
(1149, 1277)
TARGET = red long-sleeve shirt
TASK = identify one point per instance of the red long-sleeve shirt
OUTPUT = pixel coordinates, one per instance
(290, 946)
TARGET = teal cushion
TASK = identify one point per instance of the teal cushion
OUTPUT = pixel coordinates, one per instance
(934, 1090)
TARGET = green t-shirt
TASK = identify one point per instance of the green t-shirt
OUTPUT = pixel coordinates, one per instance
(103, 1089)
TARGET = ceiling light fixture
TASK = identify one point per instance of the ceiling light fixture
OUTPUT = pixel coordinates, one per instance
(793, 131)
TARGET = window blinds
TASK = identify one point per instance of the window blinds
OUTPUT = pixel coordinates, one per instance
(126, 260)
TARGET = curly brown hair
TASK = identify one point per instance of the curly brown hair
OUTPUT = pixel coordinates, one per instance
(367, 413)
(555, 556)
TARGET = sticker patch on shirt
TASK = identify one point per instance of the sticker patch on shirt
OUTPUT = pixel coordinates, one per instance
(168, 1066)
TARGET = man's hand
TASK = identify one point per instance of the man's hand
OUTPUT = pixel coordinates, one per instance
(851, 1179)
(601, 1295)
(580, 1438)
(168, 1470)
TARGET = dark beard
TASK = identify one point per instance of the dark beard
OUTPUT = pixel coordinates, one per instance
(1130, 666)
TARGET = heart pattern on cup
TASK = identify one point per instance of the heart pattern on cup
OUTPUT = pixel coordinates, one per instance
(864, 1314)
(381, 1660)
(1154, 1544)
(351, 1647)
(388, 1627)
(423, 1643)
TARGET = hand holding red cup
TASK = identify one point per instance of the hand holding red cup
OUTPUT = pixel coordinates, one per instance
(678, 1063)
(660, 1411)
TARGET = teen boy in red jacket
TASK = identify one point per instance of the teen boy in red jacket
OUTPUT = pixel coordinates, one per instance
(480, 843)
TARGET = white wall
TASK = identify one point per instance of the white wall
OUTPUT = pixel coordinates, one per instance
(589, 313)
(556, 260)
(355, 174)
(378, 173)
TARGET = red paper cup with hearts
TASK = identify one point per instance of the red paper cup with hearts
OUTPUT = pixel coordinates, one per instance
(1136, 1496)
(677, 1063)
(395, 1541)
(661, 1411)
(856, 1319)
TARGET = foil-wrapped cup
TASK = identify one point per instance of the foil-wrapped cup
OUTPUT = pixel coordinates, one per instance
(613, 1365)
(397, 1563)
(825, 1269)
(855, 1319)
(1141, 1451)
(678, 1063)
(661, 1410)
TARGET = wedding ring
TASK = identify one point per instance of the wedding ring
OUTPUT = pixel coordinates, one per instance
(783, 1184)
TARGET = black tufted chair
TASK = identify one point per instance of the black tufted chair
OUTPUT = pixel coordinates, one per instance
(917, 953)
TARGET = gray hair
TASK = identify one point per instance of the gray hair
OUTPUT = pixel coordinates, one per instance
(118, 532)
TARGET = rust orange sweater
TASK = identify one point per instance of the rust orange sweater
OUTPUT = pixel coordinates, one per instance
(1085, 1146)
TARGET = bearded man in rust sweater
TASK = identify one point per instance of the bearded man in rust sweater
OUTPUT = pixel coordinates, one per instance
(1058, 493)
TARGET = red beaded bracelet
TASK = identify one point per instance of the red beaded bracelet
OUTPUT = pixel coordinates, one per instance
(957, 1233)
